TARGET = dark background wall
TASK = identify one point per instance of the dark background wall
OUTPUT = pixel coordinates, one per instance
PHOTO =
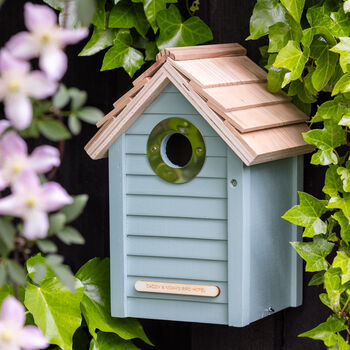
(229, 21)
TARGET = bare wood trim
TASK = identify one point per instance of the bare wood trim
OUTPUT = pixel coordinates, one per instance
(204, 51)
(177, 288)
(150, 71)
(113, 113)
(105, 137)
(130, 94)
(209, 115)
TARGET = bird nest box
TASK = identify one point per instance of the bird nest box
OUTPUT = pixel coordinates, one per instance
(203, 162)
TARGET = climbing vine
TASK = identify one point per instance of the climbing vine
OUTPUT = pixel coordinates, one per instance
(133, 30)
(308, 55)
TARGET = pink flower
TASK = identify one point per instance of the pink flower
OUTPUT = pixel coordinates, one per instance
(45, 40)
(4, 124)
(14, 159)
(31, 201)
(13, 334)
(17, 85)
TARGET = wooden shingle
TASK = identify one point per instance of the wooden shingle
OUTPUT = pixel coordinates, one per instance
(228, 90)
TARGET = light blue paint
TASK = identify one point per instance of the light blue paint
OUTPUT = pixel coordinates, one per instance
(205, 231)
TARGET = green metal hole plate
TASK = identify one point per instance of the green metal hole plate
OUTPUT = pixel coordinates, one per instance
(176, 175)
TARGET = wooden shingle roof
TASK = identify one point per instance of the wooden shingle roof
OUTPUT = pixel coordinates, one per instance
(228, 90)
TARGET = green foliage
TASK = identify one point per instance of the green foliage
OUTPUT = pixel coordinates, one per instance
(133, 30)
(309, 57)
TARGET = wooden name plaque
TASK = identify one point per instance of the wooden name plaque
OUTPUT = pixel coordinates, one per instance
(177, 288)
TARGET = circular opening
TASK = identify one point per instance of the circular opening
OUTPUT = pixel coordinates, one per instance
(178, 149)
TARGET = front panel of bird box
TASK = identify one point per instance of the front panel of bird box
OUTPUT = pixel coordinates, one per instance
(183, 212)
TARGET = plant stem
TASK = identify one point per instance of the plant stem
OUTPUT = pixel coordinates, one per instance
(65, 14)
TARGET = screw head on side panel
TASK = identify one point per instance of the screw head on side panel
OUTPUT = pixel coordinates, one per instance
(153, 149)
(233, 183)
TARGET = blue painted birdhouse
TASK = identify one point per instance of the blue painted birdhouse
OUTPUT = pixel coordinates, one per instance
(203, 162)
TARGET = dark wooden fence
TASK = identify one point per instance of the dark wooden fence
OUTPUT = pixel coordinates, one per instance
(229, 21)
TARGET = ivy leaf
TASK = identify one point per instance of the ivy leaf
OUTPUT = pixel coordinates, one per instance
(96, 307)
(37, 268)
(345, 176)
(317, 279)
(99, 20)
(128, 15)
(110, 341)
(330, 110)
(292, 58)
(326, 331)
(341, 343)
(174, 32)
(265, 14)
(280, 33)
(307, 214)
(343, 48)
(333, 287)
(151, 51)
(314, 253)
(342, 260)
(347, 6)
(341, 203)
(86, 10)
(151, 8)
(325, 63)
(49, 303)
(123, 55)
(53, 130)
(100, 40)
(326, 139)
(333, 184)
(342, 85)
(275, 76)
(344, 226)
(294, 7)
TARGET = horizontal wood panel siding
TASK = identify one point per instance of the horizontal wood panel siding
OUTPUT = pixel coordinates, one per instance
(175, 232)
(148, 121)
(171, 103)
(221, 298)
(177, 248)
(186, 207)
(206, 270)
(213, 166)
(176, 227)
(137, 144)
(176, 310)
(153, 185)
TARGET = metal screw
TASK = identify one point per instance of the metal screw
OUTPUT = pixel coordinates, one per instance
(270, 309)
(233, 182)
(181, 129)
(153, 149)
(199, 150)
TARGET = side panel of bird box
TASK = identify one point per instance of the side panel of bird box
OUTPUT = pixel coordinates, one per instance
(175, 234)
(271, 270)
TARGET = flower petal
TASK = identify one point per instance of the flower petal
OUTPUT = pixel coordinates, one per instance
(23, 46)
(13, 311)
(31, 338)
(3, 182)
(12, 144)
(72, 36)
(53, 62)
(4, 124)
(55, 196)
(44, 158)
(11, 205)
(26, 182)
(38, 16)
(39, 86)
(9, 62)
(36, 224)
(18, 109)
